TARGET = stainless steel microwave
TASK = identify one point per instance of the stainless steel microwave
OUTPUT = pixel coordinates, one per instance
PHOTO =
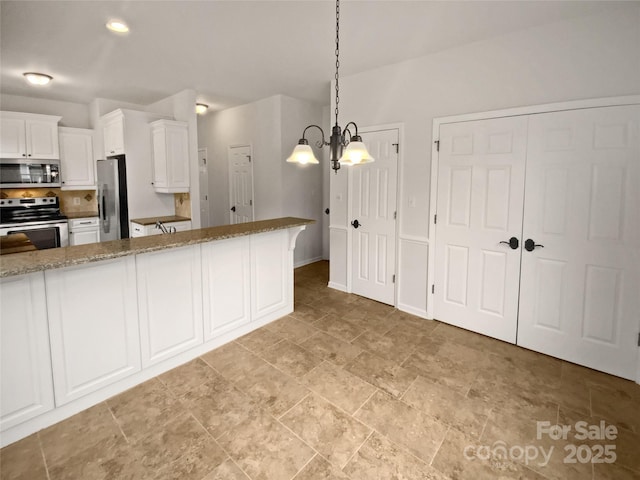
(24, 173)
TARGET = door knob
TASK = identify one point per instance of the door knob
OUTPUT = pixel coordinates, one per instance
(233, 209)
(356, 224)
(513, 243)
(529, 245)
(326, 211)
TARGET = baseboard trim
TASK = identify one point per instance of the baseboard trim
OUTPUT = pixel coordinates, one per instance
(418, 312)
(307, 261)
(338, 286)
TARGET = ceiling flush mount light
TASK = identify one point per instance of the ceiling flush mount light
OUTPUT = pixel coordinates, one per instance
(37, 78)
(343, 151)
(201, 108)
(117, 26)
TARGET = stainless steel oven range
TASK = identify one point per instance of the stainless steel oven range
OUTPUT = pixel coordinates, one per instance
(28, 224)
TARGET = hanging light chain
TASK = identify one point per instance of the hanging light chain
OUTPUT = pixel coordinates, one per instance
(337, 56)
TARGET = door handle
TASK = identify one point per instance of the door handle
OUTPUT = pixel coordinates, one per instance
(513, 243)
(529, 245)
(356, 224)
(233, 209)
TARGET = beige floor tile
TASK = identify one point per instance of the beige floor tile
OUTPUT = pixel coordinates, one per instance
(338, 327)
(613, 471)
(233, 360)
(23, 460)
(219, 406)
(272, 389)
(307, 313)
(265, 449)
(291, 358)
(227, 470)
(380, 459)
(78, 433)
(109, 459)
(384, 345)
(307, 295)
(442, 403)
(366, 321)
(626, 412)
(319, 469)
(188, 376)
(330, 431)
(292, 328)
(461, 458)
(182, 446)
(144, 408)
(404, 425)
(331, 348)
(384, 374)
(259, 340)
(337, 385)
(559, 466)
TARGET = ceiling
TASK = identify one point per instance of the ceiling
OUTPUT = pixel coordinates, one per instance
(234, 52)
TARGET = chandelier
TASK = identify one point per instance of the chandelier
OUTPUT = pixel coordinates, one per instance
(343, 151)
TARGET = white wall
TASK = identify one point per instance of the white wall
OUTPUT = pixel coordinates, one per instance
(73, 114)
(589, 57)
(272, 127)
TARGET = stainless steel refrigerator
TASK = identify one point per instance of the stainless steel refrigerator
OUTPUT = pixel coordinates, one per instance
(112, 198)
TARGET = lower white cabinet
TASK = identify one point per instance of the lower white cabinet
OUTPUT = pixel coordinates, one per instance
(226, 285)
(25, 368)
(139, 230)
(84, 230)
(169, 302)
(271, 267)
(93, 322)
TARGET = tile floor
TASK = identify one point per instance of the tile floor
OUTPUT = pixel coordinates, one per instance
(346, 388)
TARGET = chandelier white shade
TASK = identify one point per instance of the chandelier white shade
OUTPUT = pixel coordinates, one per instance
(303, 154)
(355, 153)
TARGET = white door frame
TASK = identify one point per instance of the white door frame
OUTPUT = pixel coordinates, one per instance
(229, 182)
(528, 110)
(206, 156)
(375, 128)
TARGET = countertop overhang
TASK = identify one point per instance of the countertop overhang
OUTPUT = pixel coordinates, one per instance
(28, 262)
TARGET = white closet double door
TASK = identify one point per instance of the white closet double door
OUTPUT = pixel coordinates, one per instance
(538, 233)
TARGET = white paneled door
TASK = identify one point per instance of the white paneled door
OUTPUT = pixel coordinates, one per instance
(580, 287)
(240, 184)
(480, 195)
(373, 218)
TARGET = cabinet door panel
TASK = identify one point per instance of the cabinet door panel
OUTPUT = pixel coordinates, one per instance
(25, 371)
(12, 138)
(76, 159)
(94, 328)
(169, 302)
(42, 139)
(271, 285)
(84, 237)
(226, 285)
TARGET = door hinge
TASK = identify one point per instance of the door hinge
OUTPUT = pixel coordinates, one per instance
(433, 289)
(639, 339)
(204, 161)
(249, 157)
(397, 145)
(437, 142)
(393, 278)
(206, 197)
(395, 215)
(251, 203)
(435, 219)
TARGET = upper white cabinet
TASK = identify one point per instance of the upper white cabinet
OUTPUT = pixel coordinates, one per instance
(170, 156)
(76, 158)
(113, 131)
(26, 135)
(26, 387)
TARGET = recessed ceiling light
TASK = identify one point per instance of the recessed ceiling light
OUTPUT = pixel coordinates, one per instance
(37, 78)
(201, 108)
(117, 26)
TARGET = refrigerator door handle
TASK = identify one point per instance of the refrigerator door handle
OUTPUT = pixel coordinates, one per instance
(105, 215)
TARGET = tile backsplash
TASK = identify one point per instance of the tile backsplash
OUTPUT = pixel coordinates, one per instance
(71, 201)
(183, 204)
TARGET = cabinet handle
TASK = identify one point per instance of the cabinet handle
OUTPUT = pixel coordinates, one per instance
(29, 155)
(24, 154)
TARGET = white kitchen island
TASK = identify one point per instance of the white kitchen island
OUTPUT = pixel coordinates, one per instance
(81, 324)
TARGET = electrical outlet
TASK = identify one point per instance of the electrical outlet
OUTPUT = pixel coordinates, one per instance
(76, 200)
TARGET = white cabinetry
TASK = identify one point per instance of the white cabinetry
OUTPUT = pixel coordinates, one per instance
(139, 230)
(77, 167)
(270, 271)
(169, 302)
(170, 156)
(26, 135)
(113, 131)
(25, 371)
(93, 326)
(84, 230)
(226, 284)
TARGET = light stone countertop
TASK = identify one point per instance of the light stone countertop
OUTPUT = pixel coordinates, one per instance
(28, 262)
(153, 220)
